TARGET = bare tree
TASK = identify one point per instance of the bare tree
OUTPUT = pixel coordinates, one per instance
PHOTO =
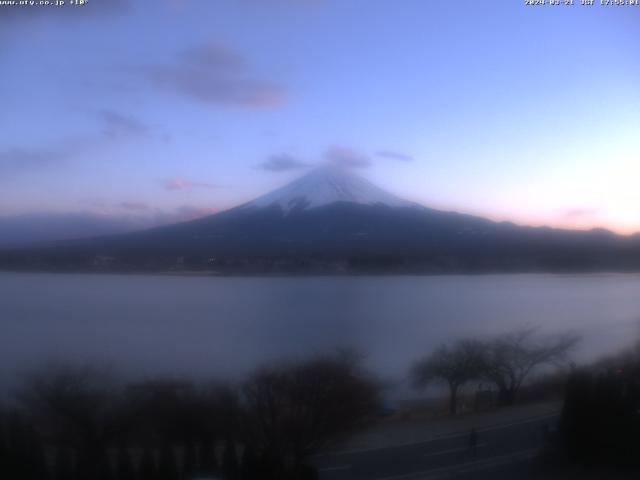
(77, 407)
(453, 365)
(510, 358)
(293, 411)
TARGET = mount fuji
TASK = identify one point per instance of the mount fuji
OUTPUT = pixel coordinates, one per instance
(331, 220)
(324, 186)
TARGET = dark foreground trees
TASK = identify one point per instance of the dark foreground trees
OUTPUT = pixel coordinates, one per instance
(506, 361)
(453, 365)
(78, 410)
(74, 424)
(509, 359)
(21, 448)
(294, 411)
(600, 421)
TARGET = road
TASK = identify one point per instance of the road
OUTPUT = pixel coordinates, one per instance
(445, 457)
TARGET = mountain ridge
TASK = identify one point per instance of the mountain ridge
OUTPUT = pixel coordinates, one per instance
(329, 221)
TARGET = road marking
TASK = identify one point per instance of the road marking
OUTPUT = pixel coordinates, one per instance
(453, 450)
(445, 472)
(334, 469)
(437, 439)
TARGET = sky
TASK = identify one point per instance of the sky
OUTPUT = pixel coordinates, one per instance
(152, 111)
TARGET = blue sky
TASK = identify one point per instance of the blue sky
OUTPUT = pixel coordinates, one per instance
(174, 108)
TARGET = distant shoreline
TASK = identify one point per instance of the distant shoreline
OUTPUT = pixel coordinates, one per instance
(311, 274)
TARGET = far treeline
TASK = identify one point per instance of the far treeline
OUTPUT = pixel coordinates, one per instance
(436, 262)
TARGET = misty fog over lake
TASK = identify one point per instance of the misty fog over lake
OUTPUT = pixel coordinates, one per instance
(224, 327)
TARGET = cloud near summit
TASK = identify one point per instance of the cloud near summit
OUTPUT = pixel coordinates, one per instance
(335, 155)
(347, 157)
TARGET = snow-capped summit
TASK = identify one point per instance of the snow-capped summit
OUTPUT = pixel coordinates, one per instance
(326, 185)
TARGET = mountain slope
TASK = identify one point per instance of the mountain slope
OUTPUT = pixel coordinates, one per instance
(334, 221)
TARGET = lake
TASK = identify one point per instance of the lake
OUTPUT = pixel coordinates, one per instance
(226, 326)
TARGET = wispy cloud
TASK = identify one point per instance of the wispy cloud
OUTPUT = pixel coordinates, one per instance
(216, 75)
(282, 162)
(182, 183)
(18, 159)
(134, 206)
(579, 213)
(393, 155)
(347, 157)
(23, 159)
(115, 126)
(214, 56)
(118, 125)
